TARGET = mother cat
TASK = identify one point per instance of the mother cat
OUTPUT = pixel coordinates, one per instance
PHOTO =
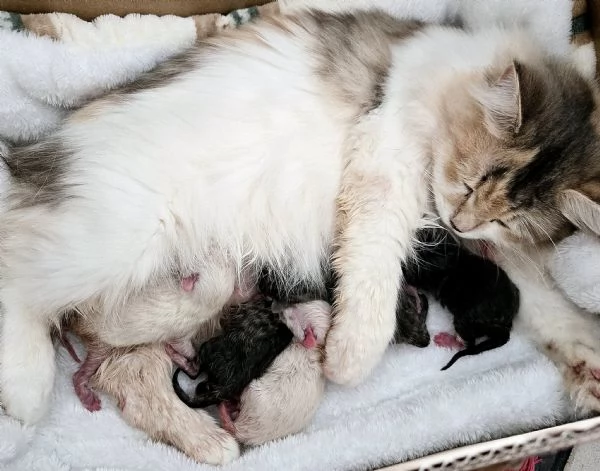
(272, 145)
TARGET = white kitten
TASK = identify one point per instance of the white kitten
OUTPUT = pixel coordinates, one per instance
(284, 400)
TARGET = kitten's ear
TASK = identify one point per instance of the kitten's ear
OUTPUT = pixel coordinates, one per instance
(582, 209)
(501, 101)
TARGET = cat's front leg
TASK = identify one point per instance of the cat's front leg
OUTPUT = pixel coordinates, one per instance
(569, 336)
(379, 206)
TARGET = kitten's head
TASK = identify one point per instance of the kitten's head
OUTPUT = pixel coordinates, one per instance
(311, 318)
(517, 160)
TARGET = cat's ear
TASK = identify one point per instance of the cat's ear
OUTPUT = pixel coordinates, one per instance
(500, 99)
(582, 207)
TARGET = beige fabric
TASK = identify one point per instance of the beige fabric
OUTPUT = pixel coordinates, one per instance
(90, 9)
(68, 27)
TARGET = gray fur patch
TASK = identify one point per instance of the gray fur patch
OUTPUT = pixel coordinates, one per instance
(167, 71)
(39, 171)
(354, 54)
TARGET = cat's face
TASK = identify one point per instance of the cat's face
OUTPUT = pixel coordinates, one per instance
(517, 160)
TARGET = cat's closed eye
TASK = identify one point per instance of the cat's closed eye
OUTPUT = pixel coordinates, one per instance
(500, 222)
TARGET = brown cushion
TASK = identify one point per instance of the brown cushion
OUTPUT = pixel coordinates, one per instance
(89, 9)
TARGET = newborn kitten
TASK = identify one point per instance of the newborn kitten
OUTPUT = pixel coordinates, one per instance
(251, 337)
(478, 293)
(139, 378)
(411, 317)
(284, 400)
(341, 117)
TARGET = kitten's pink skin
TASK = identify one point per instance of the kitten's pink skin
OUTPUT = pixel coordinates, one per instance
(68, 347)
(310, 341)
(226, 410)
(188, 283)
(82, 376)
(446, 340)
(595, 373)
(188, 365)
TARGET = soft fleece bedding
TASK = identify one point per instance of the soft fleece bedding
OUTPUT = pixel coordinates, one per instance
(408, 408)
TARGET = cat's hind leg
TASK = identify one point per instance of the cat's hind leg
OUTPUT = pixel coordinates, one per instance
(27, 364)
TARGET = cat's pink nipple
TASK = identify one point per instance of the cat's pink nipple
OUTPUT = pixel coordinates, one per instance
(188, 283)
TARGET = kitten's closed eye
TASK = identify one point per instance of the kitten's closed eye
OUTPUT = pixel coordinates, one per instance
(500, 222)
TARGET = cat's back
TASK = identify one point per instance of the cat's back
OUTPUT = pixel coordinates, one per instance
(285, 85)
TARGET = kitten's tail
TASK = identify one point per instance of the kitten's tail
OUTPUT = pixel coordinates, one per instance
(488, 344)
(200, 400)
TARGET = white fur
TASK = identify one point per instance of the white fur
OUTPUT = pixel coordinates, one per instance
(60, 75)
(181, 174)
(183, 188)
(576, 269)
(408, 407)
(284, 400)
(567, 334)
(314, 314)
(164, 312)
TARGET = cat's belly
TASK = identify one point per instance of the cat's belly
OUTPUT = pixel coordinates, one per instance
(253, 172)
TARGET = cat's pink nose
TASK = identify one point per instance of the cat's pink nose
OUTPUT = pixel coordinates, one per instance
(463, 223)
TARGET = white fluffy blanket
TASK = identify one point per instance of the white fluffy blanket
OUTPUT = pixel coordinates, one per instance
(407, 408)
(576, 269)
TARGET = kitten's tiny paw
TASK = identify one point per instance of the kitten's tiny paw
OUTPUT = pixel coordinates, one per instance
(89, 399)
(351, 354)
(183, 358)
(217, 448)
(446, 340)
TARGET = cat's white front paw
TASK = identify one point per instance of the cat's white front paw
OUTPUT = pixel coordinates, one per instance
(580, 366)
(353, 350)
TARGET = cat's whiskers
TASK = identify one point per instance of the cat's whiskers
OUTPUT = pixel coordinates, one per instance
(541, 229)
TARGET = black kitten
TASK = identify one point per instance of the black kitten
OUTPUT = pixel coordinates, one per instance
(252, 337)
(411, 310)
(478, 293)
(411, 317)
